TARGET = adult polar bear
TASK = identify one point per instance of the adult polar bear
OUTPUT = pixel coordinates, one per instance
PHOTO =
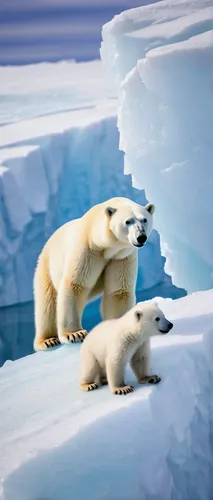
(93, 255)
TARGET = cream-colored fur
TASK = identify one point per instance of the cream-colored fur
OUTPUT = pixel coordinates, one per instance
(93, 255)
(113, 343)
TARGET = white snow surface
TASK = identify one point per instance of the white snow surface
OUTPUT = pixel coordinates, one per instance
(49, 88)
(153, 444)
(58, 157)
(160, 59)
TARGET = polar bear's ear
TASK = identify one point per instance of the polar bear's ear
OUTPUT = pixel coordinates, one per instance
(150, 207)
(138, 315)
(109, 211)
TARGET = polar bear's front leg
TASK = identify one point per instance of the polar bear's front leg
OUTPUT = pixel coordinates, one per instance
(116, 304)
(115, 376)
(71, 300)
(140, 364)
(140, 361)
(119, 287)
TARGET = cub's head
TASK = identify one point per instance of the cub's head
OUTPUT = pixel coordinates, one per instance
(150, 319)
(131, 223)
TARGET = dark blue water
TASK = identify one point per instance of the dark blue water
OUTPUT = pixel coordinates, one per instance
(39, 30)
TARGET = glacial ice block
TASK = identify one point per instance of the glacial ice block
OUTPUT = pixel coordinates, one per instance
(166, 125)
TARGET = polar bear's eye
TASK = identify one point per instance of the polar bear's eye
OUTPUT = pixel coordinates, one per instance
(129, 221)
(157, 319)
(144, 220)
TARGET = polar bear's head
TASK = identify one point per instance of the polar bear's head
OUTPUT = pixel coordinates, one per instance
(150, 319)
(131, 223)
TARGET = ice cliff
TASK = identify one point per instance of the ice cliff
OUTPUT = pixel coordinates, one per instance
(160, 59)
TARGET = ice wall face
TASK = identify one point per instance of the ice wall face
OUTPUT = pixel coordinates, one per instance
(165, 120)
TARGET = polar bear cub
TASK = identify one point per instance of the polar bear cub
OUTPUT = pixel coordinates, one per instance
(87, 257)
(113, 343)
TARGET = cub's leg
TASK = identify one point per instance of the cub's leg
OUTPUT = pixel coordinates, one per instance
(115, 377)
(119, 287)
(45, 308)
(90, 372)
(140, 364)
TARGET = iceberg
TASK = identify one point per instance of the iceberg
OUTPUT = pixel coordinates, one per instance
(59, 443)
(160, 59)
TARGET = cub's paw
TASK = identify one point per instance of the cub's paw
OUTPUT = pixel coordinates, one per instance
(126, 389)
(72, 337)
(152, 379)
(88, 387)
(43, 345)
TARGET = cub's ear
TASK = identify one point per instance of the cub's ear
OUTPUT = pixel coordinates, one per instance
(109, 211)
(150, 207)
(138, 315)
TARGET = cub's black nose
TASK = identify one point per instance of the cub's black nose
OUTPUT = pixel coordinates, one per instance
(170, 325)
(142, 239)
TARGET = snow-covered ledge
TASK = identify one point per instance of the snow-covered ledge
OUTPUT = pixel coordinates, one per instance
(160, 58)
(156, 444)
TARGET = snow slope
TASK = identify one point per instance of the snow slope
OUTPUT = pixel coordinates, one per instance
(160, 58)
(55, 167)
(155, 444)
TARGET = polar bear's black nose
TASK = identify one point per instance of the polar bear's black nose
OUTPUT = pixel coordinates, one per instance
(142, 239)
(170, 325)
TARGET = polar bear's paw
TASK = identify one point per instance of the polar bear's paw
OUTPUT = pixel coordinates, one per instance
(126, 389)
(152, 379)
(72, 337)
(88, 387)
(42, 345)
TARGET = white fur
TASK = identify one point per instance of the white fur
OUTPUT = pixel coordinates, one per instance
(113, 343)
(87, 257)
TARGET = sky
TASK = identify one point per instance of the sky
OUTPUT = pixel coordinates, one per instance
(52, 30)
